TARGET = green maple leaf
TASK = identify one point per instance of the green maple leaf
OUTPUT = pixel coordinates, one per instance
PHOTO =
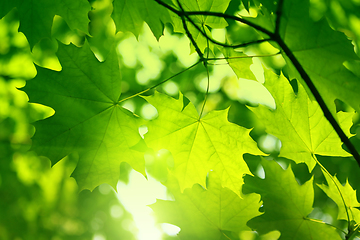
(299, 123)
(87, 119)
(286, 205)
(130, 16)
(322, 52)
(6, 6)
(36, 17)
(348, 194)
(199, 145)
(211, 213)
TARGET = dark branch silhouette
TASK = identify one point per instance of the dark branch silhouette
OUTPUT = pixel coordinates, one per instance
(273, 36)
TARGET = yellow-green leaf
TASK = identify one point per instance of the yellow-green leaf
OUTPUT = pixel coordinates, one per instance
(199, 145)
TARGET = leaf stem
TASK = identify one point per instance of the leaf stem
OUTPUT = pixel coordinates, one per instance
(226, 58)
(338, 188)
(197, 49)
(318, 221)
(208, 80)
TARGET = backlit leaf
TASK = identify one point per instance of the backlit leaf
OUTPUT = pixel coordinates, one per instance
(299, 123)
(349, 196)
(36, 17)
(322, 52)
(199, 145)
(211, 213)
(131, 15)
(286, 205)
(87, 119)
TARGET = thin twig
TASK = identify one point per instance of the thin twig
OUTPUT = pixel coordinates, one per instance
(337, 187)
(156, 85)
(276, 37)
(197, 49)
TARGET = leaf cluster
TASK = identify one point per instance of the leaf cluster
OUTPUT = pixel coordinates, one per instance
(224, 181)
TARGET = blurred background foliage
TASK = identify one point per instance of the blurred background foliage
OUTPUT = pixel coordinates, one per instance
(38, 201)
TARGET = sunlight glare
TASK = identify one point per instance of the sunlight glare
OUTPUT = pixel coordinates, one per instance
(170, 229)
(135, 197)
(255, 92)
(148, 111)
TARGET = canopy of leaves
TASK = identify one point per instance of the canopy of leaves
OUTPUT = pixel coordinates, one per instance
(101, 116)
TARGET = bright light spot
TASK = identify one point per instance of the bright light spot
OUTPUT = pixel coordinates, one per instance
(219, 34)
(142, 76)
(152, 65)
(116, 211)
(148, 37)
(171, 88)
(98, 237)
(148, 111)
(317, 213)
(168, 41)
(135, 197)
(273, 235)
(129, 105)
(170, 229)
(177, 45)
(105, 189)
(247, 235)
(260, 172)
(255, 92)
(269, 143)
(184, 56)
(282, 164)
(252, 13)
(252, 235)
(143, 130)
(258, 70)
(126, 49)
(217, 75)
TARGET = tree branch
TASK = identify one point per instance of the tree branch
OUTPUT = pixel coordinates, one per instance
(319, 99)
(274, 36)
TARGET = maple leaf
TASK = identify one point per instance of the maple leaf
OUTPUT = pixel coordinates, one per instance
(322, 52)
(211, 213)
(348, 194)
(299, 123)
(36, 17)
(130, 16)
(87, 119)
(286, 205)
(199, 145)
